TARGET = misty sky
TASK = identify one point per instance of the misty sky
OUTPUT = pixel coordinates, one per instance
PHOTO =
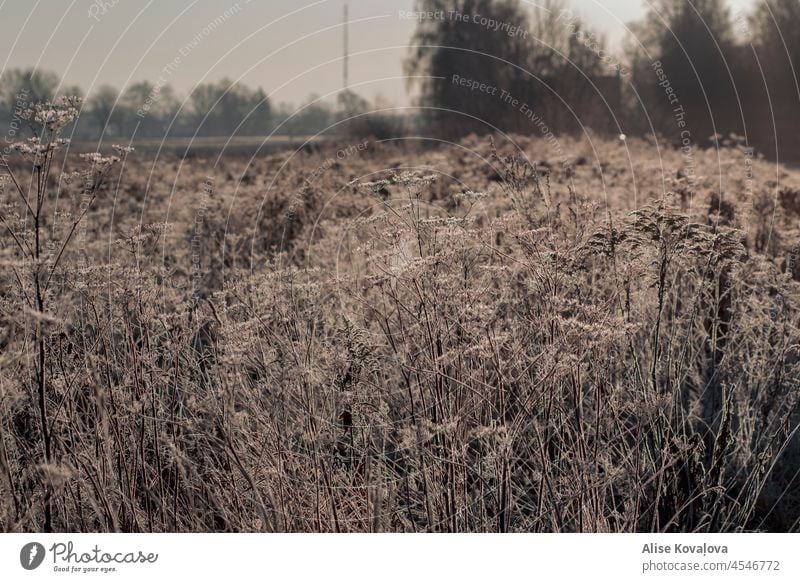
(291, 48)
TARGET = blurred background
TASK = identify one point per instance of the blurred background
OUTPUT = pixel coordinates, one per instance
(192, 72)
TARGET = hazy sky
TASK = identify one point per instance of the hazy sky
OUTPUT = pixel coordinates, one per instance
(291, 48)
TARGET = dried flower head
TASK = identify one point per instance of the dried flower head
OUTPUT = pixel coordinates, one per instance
(54, 116)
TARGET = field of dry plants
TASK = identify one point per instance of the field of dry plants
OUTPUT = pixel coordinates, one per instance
(508, 335)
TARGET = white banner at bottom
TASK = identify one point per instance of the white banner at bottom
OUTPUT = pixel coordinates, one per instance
(399, 557)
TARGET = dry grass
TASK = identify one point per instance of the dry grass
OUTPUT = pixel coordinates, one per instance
(451, 339)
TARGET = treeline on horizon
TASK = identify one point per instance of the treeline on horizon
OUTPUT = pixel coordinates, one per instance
(692, 72)
(146, 110)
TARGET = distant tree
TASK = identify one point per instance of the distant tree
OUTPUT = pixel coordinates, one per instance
(773, 31)
(20, 89)
(104, 111)
(693, 42)
(37, 85)
(147, 109)
(351, 103)
(572, 58)
(775, 77)
(361, 119)
(312, 117)
(71, 91)
(532, 65)
(142, 96)
(226, 107)
(259, 119)
(452, 47)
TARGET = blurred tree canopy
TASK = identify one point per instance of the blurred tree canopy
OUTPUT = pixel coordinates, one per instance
(681, 65)
(733, 76)
(484, 64)
(772, 67)
(145, 109)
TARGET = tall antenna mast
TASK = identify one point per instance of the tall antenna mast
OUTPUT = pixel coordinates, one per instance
(346, 48)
